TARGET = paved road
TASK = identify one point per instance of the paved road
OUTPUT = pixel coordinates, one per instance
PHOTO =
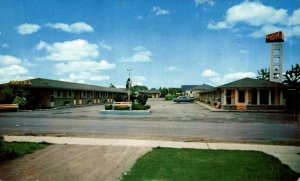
(168, 121)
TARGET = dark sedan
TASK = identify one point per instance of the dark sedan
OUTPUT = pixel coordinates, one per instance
(183, 99)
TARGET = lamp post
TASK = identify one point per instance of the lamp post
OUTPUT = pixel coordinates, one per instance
(129, 83)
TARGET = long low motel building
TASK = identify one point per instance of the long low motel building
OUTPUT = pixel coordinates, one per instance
(54, 93)
(247, 93)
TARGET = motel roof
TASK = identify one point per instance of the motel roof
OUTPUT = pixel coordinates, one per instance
(251, 83)
(56, 84)
(202, 87)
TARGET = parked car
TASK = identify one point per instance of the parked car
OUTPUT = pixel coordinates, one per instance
(183, 99)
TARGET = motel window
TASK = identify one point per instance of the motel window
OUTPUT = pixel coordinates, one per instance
(91, 94)
(276, 51)
(70, 94)
(84, 94)
(241, 96)
(254, 96)
(58, 94)
(264, 96)
(228, 96)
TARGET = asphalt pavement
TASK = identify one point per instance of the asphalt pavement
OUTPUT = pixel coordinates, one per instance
(167, 121)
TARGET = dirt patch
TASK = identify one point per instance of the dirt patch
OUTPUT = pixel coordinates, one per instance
(72, 162)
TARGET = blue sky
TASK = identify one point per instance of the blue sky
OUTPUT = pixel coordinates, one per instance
(166, 43)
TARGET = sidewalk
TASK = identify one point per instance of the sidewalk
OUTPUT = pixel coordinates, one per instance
(289, 155)
(213, 109)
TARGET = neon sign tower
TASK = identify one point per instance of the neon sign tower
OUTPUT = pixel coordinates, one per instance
(276, 59)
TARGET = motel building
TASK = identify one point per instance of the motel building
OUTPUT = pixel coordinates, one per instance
(246, 94)
(54, 93)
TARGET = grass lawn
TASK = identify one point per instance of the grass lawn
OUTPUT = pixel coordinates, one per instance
(13, 150)
(191, 164)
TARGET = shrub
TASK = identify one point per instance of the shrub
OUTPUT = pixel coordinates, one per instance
(140, 107)
(108, 107)
(21, 101)
(142, 99)
(170, 97)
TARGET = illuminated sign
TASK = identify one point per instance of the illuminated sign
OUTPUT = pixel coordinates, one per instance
(275, 37)
(20, 82)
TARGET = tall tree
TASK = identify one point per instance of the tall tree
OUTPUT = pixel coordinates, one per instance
(263, 74)
(292, 76)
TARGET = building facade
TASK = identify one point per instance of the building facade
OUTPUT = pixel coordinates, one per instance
(53, 93)
(247, 93)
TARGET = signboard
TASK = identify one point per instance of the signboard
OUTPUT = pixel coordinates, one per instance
(275, 37)
(20, 82)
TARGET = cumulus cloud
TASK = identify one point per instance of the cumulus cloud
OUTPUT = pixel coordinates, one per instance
(8, 60)
(141, 54)
(159, 11)
(252, 13)
(219, 80)
(295, 18)
(84, 66)
(210, 2)
(85, 76)
(26, 29)
(173, 69)
(255, 14)
(69, 50)
(79, 27)
(138, 80)
(209, 73)
(11, 68)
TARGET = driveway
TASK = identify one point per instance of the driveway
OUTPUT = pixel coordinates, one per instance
(72, 163)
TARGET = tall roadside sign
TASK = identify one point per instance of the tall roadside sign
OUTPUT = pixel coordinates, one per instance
(276, 57)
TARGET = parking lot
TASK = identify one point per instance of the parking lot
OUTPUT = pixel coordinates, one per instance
(167, 121)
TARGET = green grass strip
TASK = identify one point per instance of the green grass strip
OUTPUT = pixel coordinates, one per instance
(169, 164)
(11, 150)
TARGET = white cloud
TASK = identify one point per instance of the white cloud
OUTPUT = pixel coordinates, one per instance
(173, 69)
(210, 2)
(12, 70)
(87, 76)
(266, 18)
(251, 13)
(219, 80)
(267, 29)
(209, 73)
(138, 80)
(102, 44)
(141, 54)
(69, 50)
(8, 60)
(159, 11)
(83, 66)
(239, 75)
(78, 27)
(26, 29)
(295, 18)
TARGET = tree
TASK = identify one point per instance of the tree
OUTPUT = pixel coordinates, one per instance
(138, 88)
(292, 76)
(263, 74)
(6, 95)
(163, 91)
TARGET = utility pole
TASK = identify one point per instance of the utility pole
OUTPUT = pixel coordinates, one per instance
(128, 83)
